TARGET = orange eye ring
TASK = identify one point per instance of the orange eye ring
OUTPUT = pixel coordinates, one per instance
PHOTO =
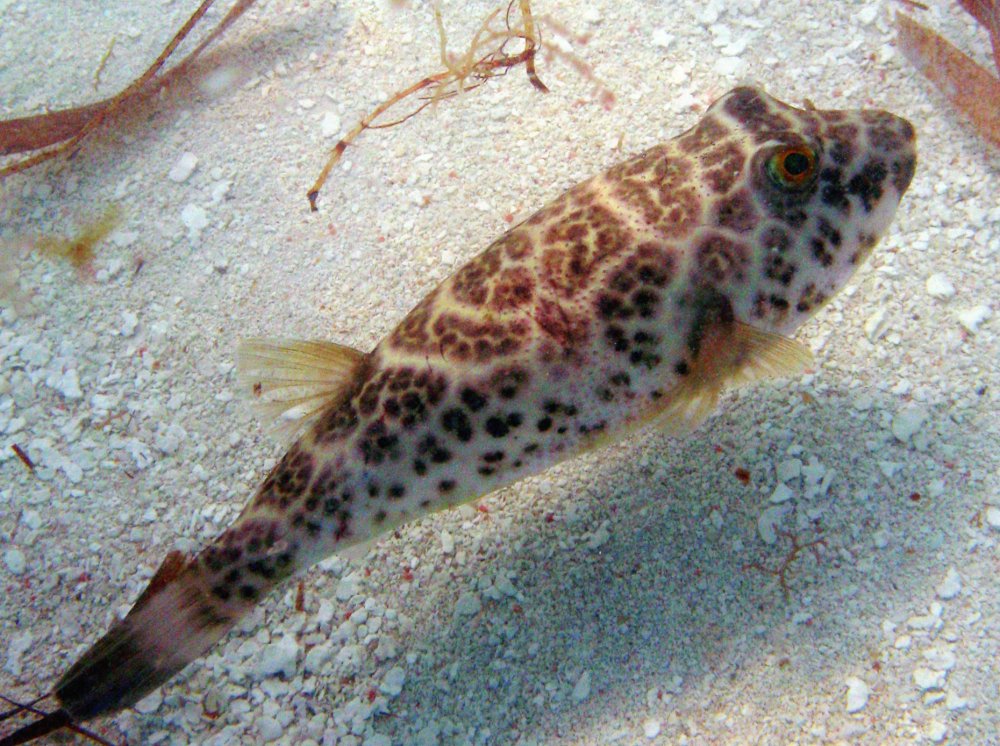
(792, 167)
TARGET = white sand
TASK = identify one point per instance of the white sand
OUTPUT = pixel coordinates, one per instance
(612, 600)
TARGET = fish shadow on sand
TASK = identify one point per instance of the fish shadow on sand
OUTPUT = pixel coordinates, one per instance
(669, 609)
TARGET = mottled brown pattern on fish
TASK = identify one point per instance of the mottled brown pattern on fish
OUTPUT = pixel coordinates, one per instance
(617, 300)
(594, 308)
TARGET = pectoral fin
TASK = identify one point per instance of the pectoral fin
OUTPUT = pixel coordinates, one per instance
(729, 353)
(292, 381)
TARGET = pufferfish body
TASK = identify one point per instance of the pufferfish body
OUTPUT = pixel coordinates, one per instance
(636, 296)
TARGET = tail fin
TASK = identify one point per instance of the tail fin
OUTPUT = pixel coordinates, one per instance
(189, 604)
(175, 621)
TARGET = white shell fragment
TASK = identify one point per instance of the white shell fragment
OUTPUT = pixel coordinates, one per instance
(15, 561)
(768, 522)
(195, 219)
(857, 694)
(938, 286)
(279, 657)
(393, 682)
(908, 421)
(951, 585)
(926, 679)
(972, 318)
(329, 126)
(183, 168)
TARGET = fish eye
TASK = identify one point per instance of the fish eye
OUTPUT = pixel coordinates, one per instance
(792, 167)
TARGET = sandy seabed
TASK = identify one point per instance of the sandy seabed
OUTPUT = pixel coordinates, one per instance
(621, 598)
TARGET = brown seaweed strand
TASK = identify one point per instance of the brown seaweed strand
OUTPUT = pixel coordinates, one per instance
(987, 14)
(969, 87)
(64, 129)
(492, 64)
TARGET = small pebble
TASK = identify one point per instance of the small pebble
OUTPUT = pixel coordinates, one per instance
(954, 702)
(150, 703)
(768, 521)
(857, 694)
(926, 679)
(951, 585)
(889, 468)
(940, 658)
(392, 683)
(788, 469)
(971, 318)
(347, 587)
(993, 517)
(662, 38)
(16, 648)
(782, 493)
(317, 657)
(600, 537)
(447, 542)
(876, 325)
(468, 604)
(279, 657)
(130, 321)
(31, 519)
(651, 728)
(936, 731)
(908, 421)
(939, 287)
(868, 14)
(183, 168)
(68, 384)
(269, 729)
(582, 688)
(15, 561)
(195, 219)
(350, 658)
(329, 126)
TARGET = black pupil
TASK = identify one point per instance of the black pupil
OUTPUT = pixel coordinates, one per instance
(796, 164)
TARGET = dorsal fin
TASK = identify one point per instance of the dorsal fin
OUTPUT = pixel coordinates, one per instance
(729, 353)
(292, 381)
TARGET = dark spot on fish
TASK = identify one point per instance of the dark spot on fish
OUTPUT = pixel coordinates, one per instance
(456, 422)
(473, 399)
(497, 427)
